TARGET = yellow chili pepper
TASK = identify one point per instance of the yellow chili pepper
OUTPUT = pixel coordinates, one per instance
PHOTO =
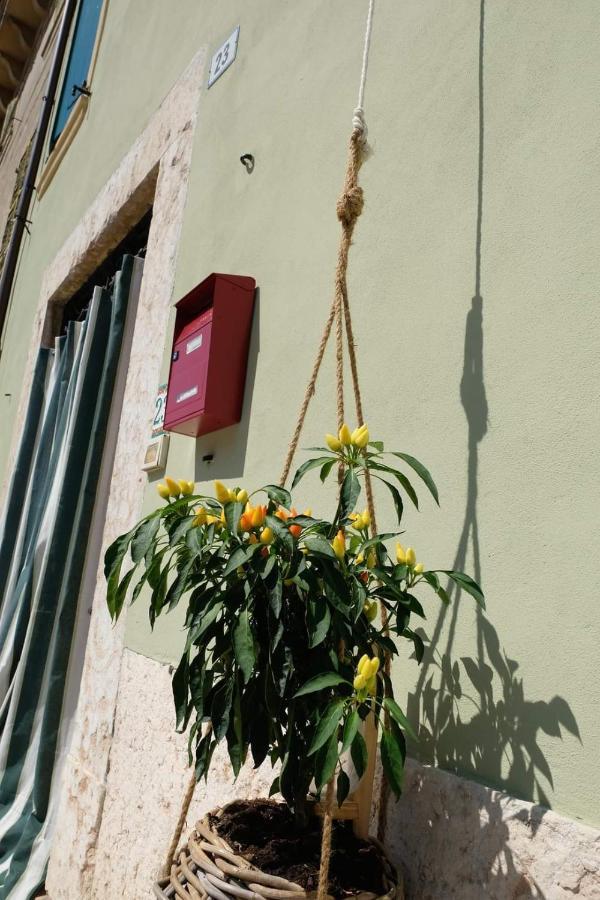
(163, 491)
(266, 536)
(362, 663)
(373, 666)
(359, 682)
(333, 443)
(339, 544)
(419, 569)
(221, 492)
(200, 517)
(173, 486)
(370, 610)
(258, 516)
(186, 487)
(242, 496)
(344, 436)
(360, 437)
(400, 554)
(411, 557)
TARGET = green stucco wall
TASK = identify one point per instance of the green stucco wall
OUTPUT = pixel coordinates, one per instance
(483, 182)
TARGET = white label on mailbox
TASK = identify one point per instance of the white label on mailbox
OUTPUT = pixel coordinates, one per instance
(193, 344)
(224, 56)
(186, 394)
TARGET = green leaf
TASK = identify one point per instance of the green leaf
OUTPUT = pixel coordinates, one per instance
(206, 619)
(397, 498)
(343, 787)
(422, 472)
(113, 560)
(326, 469)
(239, 557)
(392, 762)
(275, 595)
(467, 584)
(328, 724)
(417, 642)
(180, 683)
(233, 511)
(204, 752)
(221, 708)
(432, 579)
(318, 620)
(235, 744)
(349, 494)
(377, 445)
(278, 495)
(318, 545)
(198, 684)
(350, 728)
(179, 585)
(359, 754)
(281, 532)
(180, 530)
(326, 761)
(307, 466)
(116, 553)
(243, 645)
(380, 467)
(144, 538)
(325, 680)
(121, 593)
(398, 716)
(274, 789)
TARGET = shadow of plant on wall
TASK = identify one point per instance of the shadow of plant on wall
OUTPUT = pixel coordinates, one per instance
(474, 713)
(498, 742)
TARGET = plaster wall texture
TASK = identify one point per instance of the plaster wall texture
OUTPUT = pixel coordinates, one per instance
(473, 280)
(481, 184)
(451, 839)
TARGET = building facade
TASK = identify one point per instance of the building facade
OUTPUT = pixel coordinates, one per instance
(473, 281)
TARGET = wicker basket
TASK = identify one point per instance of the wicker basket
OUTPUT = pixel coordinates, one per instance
(207, 867)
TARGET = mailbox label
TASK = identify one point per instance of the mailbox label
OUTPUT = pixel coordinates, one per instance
(194, 344)
(185, 395)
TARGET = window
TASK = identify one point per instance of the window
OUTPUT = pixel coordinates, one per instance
(78, 63)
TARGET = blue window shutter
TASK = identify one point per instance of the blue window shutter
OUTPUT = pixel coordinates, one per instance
(78, 65)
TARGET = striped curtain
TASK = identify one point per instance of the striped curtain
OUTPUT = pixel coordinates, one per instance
(43, 543)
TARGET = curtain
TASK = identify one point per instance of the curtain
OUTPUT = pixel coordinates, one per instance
(43, 544)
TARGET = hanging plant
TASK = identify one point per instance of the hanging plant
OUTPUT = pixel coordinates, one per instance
(285, 650)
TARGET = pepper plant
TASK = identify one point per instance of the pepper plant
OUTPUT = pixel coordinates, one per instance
(284, 656)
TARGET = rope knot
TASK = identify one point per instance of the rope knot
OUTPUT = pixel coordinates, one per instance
(350, 205)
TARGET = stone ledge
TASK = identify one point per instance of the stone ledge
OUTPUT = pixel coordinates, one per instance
(453, 839)
(458, 840)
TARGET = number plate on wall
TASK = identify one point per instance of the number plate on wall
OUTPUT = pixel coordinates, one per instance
(223, 58)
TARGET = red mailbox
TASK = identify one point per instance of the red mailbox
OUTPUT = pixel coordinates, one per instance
(210, 355)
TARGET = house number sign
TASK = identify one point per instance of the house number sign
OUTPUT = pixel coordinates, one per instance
(224, 56)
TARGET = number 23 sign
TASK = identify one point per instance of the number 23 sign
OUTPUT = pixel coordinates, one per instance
(224, 56)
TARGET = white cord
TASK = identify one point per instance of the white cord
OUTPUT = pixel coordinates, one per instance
(358, 119)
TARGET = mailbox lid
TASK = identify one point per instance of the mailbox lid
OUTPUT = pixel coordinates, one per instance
(189, 368)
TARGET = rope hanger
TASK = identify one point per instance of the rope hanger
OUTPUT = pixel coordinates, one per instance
(349, 208)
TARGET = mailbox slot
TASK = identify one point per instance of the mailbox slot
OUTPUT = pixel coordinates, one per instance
(209, 355)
